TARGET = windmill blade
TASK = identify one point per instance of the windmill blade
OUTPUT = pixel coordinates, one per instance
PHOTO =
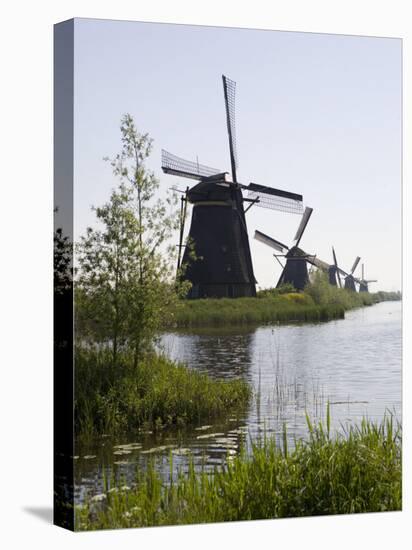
(274, 199)
(337, 268)
(269, 241)
(229, 89)
(303, 223)
(280, 281)
(343, 273)
(355, 264)
(369, 280)
(171, 164)
(317, 262)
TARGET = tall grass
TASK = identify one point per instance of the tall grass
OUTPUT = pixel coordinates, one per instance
(319, 302)
(157, 393)
(358, 471)
(322, 293)
(284, 308)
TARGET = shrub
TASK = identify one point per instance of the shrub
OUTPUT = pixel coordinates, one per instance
(119, 397)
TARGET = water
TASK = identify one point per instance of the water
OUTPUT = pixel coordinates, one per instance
(353, 363)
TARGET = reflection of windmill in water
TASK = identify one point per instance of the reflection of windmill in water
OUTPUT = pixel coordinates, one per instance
(222, 266)
(295, 270)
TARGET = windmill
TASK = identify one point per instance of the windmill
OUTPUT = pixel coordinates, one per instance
(334, 272)
(221, 265)
(295, 271)
(364, 283)
(350, 279)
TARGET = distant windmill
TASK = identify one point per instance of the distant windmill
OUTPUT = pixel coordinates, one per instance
(350, 279)
(334, 272)
(363, 283)
(222, 266)
(295, 270)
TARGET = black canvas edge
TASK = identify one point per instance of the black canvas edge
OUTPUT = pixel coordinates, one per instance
(63, 384)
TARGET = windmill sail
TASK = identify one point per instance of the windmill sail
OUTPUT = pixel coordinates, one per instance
(303, 223)
(355, 264)
(172, 164)
(229, 88)
(320, 264)
(274, 199)
(335, 272)
(269, 241)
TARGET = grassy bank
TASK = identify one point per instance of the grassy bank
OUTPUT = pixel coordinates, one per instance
(358, 472)
(243, 311)
(319, 302)
(156, 394)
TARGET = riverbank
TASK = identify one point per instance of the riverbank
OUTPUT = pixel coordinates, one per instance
(318, 303)
(359, 471)
(156, 394)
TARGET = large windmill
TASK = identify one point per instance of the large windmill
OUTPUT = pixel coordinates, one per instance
(364, 283)
(220, 264)
(295, 270)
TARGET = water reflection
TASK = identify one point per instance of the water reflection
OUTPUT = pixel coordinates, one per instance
(222, 353)
(354, 363)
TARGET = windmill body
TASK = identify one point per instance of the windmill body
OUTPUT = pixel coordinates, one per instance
(350, 283)
(333, 275)
(295, 271)
(221, 265)
(363, 287)
(364, 283)
(217, 259)
(350, 279)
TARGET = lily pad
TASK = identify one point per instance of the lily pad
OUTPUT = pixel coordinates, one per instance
(122, 452)
(182, 451)
(98, 498)
(209, 436)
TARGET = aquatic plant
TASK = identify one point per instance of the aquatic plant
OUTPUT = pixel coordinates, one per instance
(358, 470)
(157, 393)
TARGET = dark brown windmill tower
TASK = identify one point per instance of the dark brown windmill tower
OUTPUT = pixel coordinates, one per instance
(221, 265)
(295, 271)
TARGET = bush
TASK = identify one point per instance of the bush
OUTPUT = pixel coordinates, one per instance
(157, 393)
(325, 294)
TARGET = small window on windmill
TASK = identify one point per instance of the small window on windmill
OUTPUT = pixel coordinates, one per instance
(224, 248)
(228, 267)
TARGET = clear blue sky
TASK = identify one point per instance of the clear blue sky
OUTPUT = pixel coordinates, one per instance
(317, 114)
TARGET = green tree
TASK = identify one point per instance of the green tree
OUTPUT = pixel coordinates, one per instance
(125, 285)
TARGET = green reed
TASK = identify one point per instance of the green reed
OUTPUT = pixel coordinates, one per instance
(157, 393)
(356, 471)
(248, 311)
